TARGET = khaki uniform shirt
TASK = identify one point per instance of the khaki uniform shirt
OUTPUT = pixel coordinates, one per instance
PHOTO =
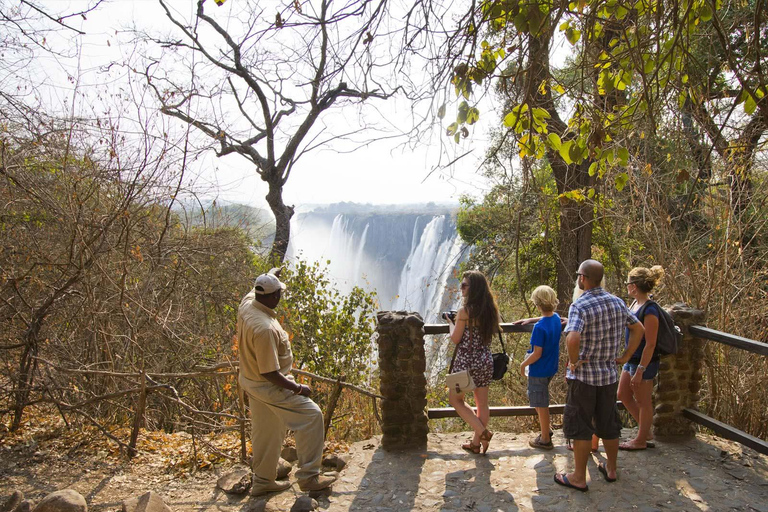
(263, 344)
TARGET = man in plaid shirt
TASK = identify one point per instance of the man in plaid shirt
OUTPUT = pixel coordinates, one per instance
(594, 337)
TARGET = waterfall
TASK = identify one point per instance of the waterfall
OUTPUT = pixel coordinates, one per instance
(359, 257)
(430, 265)
(407, 258)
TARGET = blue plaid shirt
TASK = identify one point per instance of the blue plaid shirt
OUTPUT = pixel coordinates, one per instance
(600, 318)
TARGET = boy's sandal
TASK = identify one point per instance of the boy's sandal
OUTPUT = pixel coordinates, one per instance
(536, 442)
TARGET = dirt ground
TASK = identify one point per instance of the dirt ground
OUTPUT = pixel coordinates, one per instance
(703, 474)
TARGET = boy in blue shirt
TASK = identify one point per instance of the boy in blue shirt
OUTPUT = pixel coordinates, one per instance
(542, 360)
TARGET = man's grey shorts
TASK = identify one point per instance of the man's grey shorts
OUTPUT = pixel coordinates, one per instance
(538, 391)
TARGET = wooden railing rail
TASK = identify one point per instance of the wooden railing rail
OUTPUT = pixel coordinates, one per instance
(723, 429)
(757, 347)
(144, 383)
(505, 328)
(697, 331)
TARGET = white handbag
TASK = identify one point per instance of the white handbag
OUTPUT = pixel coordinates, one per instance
(460, 382)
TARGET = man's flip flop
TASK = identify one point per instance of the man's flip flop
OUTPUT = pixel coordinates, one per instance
(604, 470)
(565, 483)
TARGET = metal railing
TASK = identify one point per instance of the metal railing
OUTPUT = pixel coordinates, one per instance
(698, 331)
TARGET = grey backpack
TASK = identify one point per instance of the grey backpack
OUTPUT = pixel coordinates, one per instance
(669, 337)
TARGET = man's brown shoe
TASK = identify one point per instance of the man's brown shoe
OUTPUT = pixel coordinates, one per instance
(316, 483)
(259, 489)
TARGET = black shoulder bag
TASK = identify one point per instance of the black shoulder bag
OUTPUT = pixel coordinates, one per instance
(500, 361)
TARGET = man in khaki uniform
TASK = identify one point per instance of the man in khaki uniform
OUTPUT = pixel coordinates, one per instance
(277, 401)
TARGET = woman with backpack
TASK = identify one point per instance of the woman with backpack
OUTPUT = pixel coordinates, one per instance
(476, 323)
(636, 381)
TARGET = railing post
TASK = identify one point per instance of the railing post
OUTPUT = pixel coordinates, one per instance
(680, 377)
(403, 385)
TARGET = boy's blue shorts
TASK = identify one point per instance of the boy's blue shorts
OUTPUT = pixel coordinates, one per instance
(538, 391)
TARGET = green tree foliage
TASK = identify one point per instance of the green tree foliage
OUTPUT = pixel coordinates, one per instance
(331, 332)
(594, 120)
(654, 132)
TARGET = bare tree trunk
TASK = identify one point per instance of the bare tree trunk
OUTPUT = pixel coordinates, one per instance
(283, 214)
(26, 375)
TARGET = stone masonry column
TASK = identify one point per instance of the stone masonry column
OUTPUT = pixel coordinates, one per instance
(680, 377)
(403, 385)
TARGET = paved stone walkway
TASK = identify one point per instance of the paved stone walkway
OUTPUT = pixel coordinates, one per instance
(702, 474)
(707, 473)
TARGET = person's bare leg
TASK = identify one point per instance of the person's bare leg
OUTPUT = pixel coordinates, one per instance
(483, 411)
(627, 396)
(580, 456)
(543, 413)
(644, 395)
(595, 443)
(611, 453)
(466, 413)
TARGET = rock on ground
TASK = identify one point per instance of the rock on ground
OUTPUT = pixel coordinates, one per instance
(147, 502)
(304, 504)
(237, 481)
(260, 506)
(337, 462)
(65, 500)
(289, 453)
(283, 469)
(12, 502)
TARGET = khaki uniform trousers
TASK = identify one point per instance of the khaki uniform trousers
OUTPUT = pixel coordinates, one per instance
(273, 410)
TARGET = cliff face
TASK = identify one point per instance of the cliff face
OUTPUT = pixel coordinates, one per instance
(408, 258)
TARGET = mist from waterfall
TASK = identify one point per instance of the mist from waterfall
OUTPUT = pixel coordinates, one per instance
(431, 263)
(409, 259)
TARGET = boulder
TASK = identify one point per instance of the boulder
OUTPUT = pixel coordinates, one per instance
(304, 504)
(147, 502)
(283, 469)
(260, 506)
(337, 462)
(237, 481)
(11, 503)
(24, 506)
(289, 454)
(65, 500)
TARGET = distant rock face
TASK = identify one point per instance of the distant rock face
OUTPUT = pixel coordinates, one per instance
(235, 482)
(65, 500)
(147, 502)
(409, 258)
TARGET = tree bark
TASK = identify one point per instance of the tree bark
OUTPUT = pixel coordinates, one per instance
(283, 214)
(575, 237)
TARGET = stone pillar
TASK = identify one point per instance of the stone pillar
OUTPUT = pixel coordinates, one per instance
(403, 383)
(680, 377)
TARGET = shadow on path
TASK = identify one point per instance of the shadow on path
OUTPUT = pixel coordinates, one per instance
(471, 489)
(391, 481)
